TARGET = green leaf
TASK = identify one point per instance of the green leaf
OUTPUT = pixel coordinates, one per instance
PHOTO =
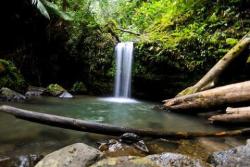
(54, 9)
(39, 5)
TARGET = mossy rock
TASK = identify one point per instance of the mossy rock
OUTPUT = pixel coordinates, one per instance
(10, 77)
(54, 90)
(78, 88)
(7, 94)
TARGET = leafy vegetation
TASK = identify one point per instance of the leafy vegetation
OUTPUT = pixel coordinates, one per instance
(10, 76)
(173, 37)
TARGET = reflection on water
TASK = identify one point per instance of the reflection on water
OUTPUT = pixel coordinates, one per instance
(19, 137)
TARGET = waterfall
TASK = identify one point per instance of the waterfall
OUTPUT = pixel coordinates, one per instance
(124, 60)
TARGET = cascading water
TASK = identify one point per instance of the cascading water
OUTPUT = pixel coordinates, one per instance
(124, 60)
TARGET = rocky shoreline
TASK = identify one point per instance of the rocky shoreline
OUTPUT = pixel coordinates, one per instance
(82, 155)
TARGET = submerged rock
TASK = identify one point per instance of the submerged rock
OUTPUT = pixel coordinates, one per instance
(7, 94)
(238, 156)
(76, 155)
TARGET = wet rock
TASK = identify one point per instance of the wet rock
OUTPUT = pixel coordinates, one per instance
(20, 161)
(128, 144)
(238, 156)
(115, 148)
(34, 91)
(54, 90)
(135, 140)
(7, 94)
(28, 160)
(129, 138)
(76, 155)
(157, 160)
(66, 95)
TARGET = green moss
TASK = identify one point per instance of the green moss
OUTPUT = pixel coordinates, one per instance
(231, 41)
(55, 89)
(10, 77)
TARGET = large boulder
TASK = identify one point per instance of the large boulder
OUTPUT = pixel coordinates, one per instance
(57, 91)
(157, 160)
(10, 77)
(238, 156)
(76, 155)
(7, 94)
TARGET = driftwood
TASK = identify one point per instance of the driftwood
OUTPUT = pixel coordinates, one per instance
(209, 80)
(224, 95)
(85, 126)
(232, 115)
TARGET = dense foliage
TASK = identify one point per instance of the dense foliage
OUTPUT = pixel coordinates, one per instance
(174, 38)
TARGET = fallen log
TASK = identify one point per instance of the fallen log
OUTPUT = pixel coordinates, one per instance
(209, 80)
(231, 110)
(85, 126)
(232, 115)
(224, 95)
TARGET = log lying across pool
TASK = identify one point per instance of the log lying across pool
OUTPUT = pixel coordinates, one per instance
(105, 129)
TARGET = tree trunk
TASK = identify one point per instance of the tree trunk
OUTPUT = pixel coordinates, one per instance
(233, 115)
(85, 126)
(209, 80)
(64, 5)
(231, 110)
(230, 94)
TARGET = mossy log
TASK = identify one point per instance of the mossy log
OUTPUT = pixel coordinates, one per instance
(224, 95)
(232, 115)
(85, 126)
(209, 80)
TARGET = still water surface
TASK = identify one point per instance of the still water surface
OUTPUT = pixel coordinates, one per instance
(19, 137)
